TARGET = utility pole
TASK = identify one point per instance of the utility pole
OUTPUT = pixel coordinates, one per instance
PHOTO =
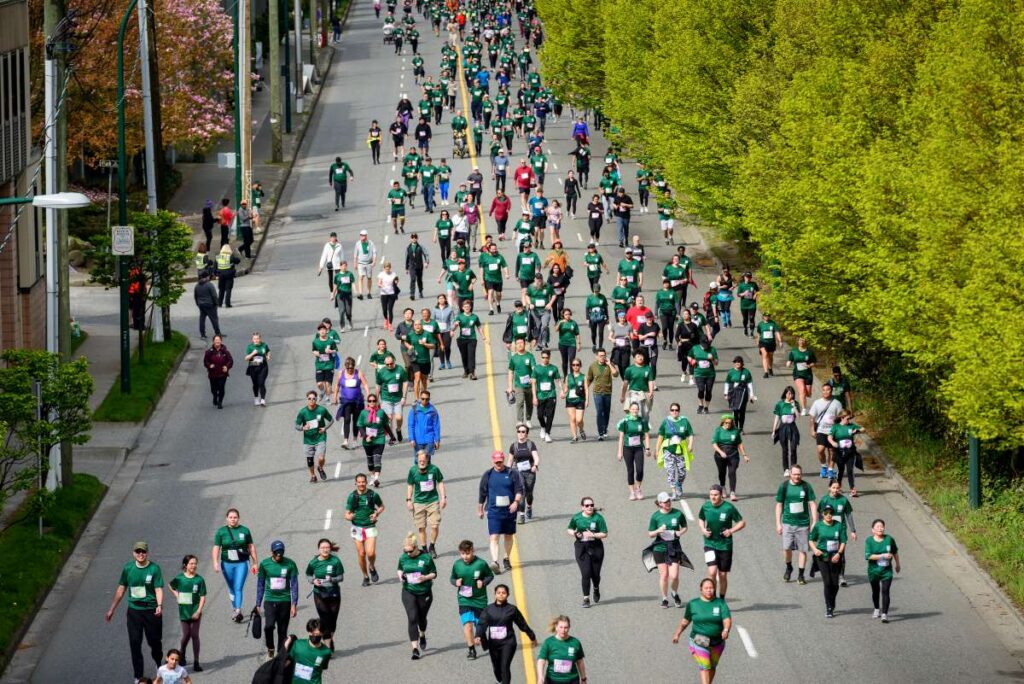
(276, 148)
(245, 70)
(299, 91)
(147, 123)
(286, 70)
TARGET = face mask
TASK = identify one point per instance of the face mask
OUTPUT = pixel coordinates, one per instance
(315, 640)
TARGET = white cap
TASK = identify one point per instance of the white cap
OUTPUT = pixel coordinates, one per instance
(713, 286)
(363, 232)
(663, 497)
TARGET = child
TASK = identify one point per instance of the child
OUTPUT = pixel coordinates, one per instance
(171, 672)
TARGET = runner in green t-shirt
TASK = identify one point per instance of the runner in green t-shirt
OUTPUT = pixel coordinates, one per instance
(560, 658)
(795, 513)
(310, 655)
(712, 623)
(546, 382)
(324, 351)
(702, 360)
(719, 520)
(665, 527)
(882, 555)
(470, 576)
(464, 330)
(416, 572)
(363, 508)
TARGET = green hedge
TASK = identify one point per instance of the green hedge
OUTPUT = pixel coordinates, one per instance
(149, 379)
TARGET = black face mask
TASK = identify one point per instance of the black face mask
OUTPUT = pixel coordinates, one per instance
(315, 640)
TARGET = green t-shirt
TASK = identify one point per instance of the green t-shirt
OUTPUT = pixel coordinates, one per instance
(311, 434)
(522, 366)
(828, 537)
(492, 267)
(597, 305)
(526, 265)
(840, 390)
(674, 432)
(718, 519)
(392, 383)
(581, 523)
(593, 262)
(674, 274)
(746, 293)
(766, 331)
(520, 325)
(728, 440)
(539, 296)
(638, 378)
(325, 349)
(795, 500)
(674, 521)
(444, 229)
(783, 408)
(329, 571)
(377, 359)
(801, 363)
(396, 198)
(561, 657)
(471, 596)
(882, 568)
(665, 301)
(739, 377)
(344, 280)
(621, 296)
(373, 431)
(190, 590)
(707, 618)
(231, 540)
(843, 434)
(340, 172)
(413, 568)
(468, 323)
(633, 430)
(277, 579)
(310, 661)
(630, 269)
(568, 331)
(428, 173)
(464, 283)
(545, 377)
(420, 352)
(704, 366)
(840, 504)
(424, 483)
(261, 349)
(363, 506)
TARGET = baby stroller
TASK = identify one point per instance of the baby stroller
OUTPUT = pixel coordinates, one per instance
(459, 147)
(389, 38)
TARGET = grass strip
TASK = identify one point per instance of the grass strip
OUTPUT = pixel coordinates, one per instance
(149, 379)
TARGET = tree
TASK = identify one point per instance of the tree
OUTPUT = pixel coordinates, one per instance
(573, 54)
(163, 254)
(27, 438)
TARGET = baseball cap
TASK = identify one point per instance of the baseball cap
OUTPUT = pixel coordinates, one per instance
(629, 250)
(663, 497)
(713, 286)
(363, 232)
(277, 546)
(497, 456)
(140, 546)
(517, 303)
(827, 508)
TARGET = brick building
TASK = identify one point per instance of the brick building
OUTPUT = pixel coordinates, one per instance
(22, 259)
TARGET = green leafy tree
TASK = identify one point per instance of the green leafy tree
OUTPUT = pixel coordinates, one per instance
(573, 54)
(27, 438)
(163, 253)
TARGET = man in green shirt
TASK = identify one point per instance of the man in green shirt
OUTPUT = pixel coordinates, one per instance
(143, 581)
(470, 577)
(425, 496)
(277, 591)
(517, 326)
(540, 297)
(546, 385)
(338, 178)
(391, 380)
(310, 655)
(633, 271)
(342, 293)
(313, 421)
(324, 351)
(719, 521)
(464, 279)
(495, 269)
(420, 343)
(795, 513)
(396, 200)
(520, 381)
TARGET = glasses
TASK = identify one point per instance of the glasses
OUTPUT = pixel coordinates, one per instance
(588, 505)
(140, 551)
(371, 401)
(522, 432)
(576, 365)
(674, 410)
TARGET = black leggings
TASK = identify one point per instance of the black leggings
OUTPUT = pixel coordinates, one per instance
(444, 350)
(589, 556)
(529, 481)
(620, 357)
(597, 334)
(502, 653)
(645, 196)
(276, 615)
(595, 228)
(344, 308)
(387, 306)
(416, 608)
(416, 282)
(633, 457)
(258, 375)
(568, 354)
(144, 623)
(740, 413)
(727, 466)
(668, 326)
(350, 415)
(881, 585)
(829, 579)
(749, 318)
(217, 388)
(704, 386)
(445, 246)
(788, 452)
(467, 349)
(845, 458)
(570, 203)
(546, 413)
(327, 607)
(375, 151)
(190, 632)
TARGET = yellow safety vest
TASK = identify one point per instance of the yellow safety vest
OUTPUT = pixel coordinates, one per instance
(200, 261)
(223, 262)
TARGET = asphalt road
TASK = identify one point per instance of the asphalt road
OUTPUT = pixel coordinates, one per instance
(204, 461)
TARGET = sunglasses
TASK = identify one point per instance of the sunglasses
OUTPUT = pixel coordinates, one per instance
(140, 551)
(371, 401)
(675, 410)
(588, 505)
(522, 432)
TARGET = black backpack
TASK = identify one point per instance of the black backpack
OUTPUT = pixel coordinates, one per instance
(280, 670)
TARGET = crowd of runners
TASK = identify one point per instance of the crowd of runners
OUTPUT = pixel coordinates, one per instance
(650, 323)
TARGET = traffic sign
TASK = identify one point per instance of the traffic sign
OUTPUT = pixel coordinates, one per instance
(122, 240)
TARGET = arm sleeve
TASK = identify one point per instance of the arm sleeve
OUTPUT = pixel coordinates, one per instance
(482, 496)
(294, 583)
(260, 586)
(849, 522)
(521, 623)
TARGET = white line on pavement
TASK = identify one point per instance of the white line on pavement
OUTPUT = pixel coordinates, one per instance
(686, 510)
(327, 518)
(366, 331)
(359, 361)
(385, 239)
(579, 237)
(747, 642)
(554, 165)
(337, 471)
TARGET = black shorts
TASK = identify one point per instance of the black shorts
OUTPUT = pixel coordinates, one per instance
(492, 287)
(325, 375)
(537, 221)
(525, 283)
(767, 345)
(665, 558)
(723, 559)
(822, 440)
(371, 449)
(415, 367)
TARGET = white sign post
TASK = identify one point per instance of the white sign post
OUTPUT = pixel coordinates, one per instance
(122, 240)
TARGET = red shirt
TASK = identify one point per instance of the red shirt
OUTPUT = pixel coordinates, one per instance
(499, 209)
(226, 216)
(524, 177)
(634, 313)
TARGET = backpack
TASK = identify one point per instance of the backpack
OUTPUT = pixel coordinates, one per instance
(280, 670)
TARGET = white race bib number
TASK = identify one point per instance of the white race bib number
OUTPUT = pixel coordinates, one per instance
(413, 577)
(278, 583)
(137, 592)
(767, 334)
(313, 424)
(704, 363)
(620, 341)
(442, 326)
(796, 507)
(325, 357)
(633, 440)
(467, 332)
(845, 443)
(352, 382)
(801, 366)
(427, 486)
(831, 546)
(371, 432)
(492, 267)
(185, 598)
(521, 329)
(545, 387)
(675, 283)
(592, 267)
(304, 672)
(465, 591)
(788, 418)
(649, 341)
(502, 501)
(882, 562)
(668, 535)
(572, 394)
(675, 440)
(562, 666)
(233, 555)
(497, 632)
(392, 387)
(523, 466)
(709, 556)
(524, 379)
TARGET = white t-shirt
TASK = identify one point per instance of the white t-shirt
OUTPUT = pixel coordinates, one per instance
(824, 412)
(175, 676)
(386, 281)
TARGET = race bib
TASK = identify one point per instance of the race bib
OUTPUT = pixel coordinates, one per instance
(523, 466)
(371, 432)
(233, 555)
(524, 379)
(392, 387)
(562, 666)
(257, 360)
(545, 387)
(313, 424)
(675, 283)
(278, 583)
(497, 632)
(427, 486)
(521, 329)
(675, 440)
(325, 357)
(845, 443)
(668, 535)
(540, 301)
(185, 598)
(633, 440)
(595, 215)
(882, 562)
(767, 334)
(788, 418)
(831, 546)
(620, 341)
(592, 267)
(572, 394)
(304, 672)
(629, 278)
(137, 592)
(413, 577)
(467, 332)
(796, 507)
(640, 320)
(352, 382)
(465, 591)
(442, 326)
(704, 363)
(492, 267)
(709, 555)
(649, 341)
(801, 366)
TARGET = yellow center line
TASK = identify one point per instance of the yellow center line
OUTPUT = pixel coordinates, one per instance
(518, 585)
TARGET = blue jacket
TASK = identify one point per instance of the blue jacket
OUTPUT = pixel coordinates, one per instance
(424, 425)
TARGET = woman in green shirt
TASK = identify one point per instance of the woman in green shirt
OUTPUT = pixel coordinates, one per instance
(325, 572)
(257, 354)
(727, 443)
(443, 230)
(373, 425)
(574, 391)
(560, 659)
(234, 554)
(842, 440)
(882, 555)
(675, 448)
(416, 572)
(844, 516)
(634, 445)
(464, 329)
(189, 590)
(784, 429)
(828, 542)
(802, 361)
(712, 623)
(588, 528)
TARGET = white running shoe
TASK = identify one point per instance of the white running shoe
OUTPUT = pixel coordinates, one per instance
(263, 402)
(256, 402)
(785, 473)
(877, 614)
(803, 412)
(547, 438)
(692, 381)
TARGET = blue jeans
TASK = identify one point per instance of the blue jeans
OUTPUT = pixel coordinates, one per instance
(444, 189)
(623, 229)
(234, 575)
(428, 197)
(429, 448)
(603, 404)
